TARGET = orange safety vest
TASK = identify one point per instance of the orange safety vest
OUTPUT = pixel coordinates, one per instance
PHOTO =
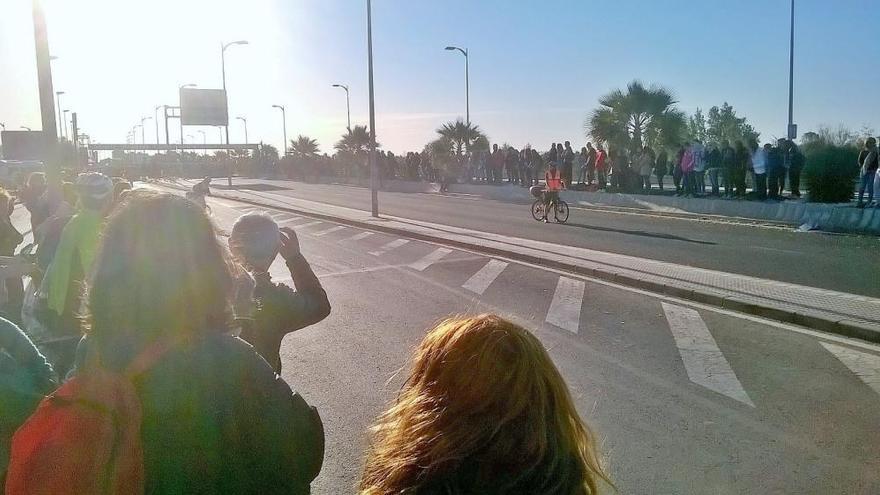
(554, 183)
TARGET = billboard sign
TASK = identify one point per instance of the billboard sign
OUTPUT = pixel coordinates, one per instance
(23, 145)
(203, 107)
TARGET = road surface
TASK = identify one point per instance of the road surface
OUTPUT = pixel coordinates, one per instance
(686, 398)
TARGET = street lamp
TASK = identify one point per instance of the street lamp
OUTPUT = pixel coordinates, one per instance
(26, 128)
(374, 168)
(134, 135)
(245, 128)
(2, 126)
(223, 66)
(204, 141)
(792, 130)
(347, 103)
(156, 120)
(467, 84)
(284, 127)
(58, 101)
(180, 108)
(64, 123)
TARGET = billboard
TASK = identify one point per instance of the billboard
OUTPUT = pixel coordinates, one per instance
(23, 145)
(203, 107)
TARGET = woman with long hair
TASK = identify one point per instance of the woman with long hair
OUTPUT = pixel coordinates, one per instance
(216, 418)
(484, 411)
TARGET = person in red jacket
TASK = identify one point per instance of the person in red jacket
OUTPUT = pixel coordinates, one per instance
(601, 170)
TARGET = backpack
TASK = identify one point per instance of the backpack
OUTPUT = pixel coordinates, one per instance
(85, 438)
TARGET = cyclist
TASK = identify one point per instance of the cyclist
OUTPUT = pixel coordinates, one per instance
(554, 184)
(199, 191)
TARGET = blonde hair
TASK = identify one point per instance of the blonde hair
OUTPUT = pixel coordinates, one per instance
(484, 411)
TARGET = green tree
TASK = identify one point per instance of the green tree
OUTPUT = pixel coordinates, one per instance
(304, 147)
(356, 141)
(461, 134)
(696, 126)
(641, 115)
(270, 152)
(723, 123)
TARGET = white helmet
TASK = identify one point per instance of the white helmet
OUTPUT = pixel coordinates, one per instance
(94, 186)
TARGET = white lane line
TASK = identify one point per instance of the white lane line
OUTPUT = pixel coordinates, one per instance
(703, 360)
(288, 220)
(362, 235)
(865, 366)
(329, 231)
(388, 247)
(565, 309)
(305, 225)
(484, 278)
(430, 259)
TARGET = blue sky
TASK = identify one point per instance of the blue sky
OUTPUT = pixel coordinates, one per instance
(537, 68)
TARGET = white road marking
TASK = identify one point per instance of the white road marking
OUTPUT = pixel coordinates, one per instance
(305, 225)
(430, 259)
(362, 235)
(288, 220)
(865, 366)
(565, 309)
(388, 247)
(484, 278)
(329, 231)
(703, 360)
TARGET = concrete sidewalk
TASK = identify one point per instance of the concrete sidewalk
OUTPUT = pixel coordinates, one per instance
(793, 213)
(836, 312)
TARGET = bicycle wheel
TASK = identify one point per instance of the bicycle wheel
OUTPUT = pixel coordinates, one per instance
(561, 212)
(538, 210)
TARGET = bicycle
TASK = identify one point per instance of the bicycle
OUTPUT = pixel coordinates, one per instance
(560, 210)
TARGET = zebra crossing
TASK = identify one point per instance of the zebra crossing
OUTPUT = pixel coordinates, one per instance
(701, 357)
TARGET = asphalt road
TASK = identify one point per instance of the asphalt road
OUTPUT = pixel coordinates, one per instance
(843, 263)
(686, 399)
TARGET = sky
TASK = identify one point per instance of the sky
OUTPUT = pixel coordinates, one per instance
(537, 68)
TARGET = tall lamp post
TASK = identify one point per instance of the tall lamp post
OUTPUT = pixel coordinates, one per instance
(374, 168)
(244, 120)
(792, 130)
(223, 68)
(46, 91)
(58, 101)
(180, 109)
(204, 141)
(284, 128)
(347, 103)
(64, 122)
(467, 83)
(156, 120)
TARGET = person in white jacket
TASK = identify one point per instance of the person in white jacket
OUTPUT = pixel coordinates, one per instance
(759, 167)
(699, 152)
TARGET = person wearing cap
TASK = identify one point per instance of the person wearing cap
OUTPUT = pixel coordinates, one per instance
(61, 286)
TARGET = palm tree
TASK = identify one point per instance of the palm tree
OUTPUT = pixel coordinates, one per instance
(642, 115)
(304, 147)
(356, 141)
(461, 134)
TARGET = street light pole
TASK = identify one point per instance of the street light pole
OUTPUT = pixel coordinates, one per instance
(64, 122)
(374, 169)
(245, 129)
(284, 127)
(467, 82)
(204, 141)
(156, 120)
(347, 103)
(225, 96)
(143, 132)
(58, 101)
(44, 83)
(792, 133)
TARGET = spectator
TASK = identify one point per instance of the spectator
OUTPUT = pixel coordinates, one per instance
(742, 166)
(590, 165)
(728, 162)
(868, 161)
(796, 160)
(713, 168)
(216, 418)
(73, 258)
(525, 168)
(31, 196)
(511, 163)
(256, 241)
(677, 172)
(484, 410)
(759, 168)
(661, 167)
(601, 167)
(10, 238)
(775, 169)
(699, 172)
(580, 163)
(646, 167)
(537, 165)
(553, 155)
(688, 161)
(496, 165)
(567, 163)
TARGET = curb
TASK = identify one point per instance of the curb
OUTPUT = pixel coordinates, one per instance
(843, 326)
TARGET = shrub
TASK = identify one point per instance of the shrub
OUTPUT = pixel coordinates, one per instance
(830, 173)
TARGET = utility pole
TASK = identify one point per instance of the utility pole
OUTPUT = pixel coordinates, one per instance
(792, 130)
(44, 79)
(374, 169)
